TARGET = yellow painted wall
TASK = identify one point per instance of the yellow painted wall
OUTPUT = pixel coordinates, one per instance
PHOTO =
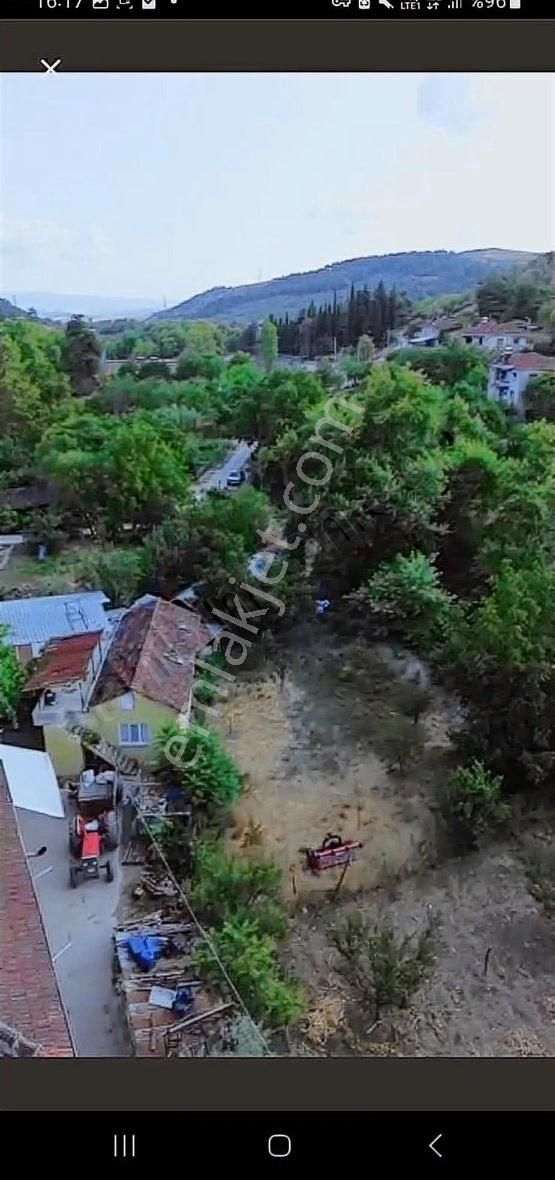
(106, 719)
(65, 751)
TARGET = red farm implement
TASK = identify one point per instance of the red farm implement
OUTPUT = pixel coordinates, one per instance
(332, 852)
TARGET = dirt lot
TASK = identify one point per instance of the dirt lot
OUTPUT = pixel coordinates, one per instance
(461, 1011)
(309, 746)
(308, 731)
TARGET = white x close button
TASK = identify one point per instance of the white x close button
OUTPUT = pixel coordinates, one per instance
(279, 1146)
(50, 67)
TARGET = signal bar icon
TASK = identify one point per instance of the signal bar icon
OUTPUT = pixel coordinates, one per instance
(455, 4)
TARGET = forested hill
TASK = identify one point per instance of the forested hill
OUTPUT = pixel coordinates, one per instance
(8, 311)
(418, 274)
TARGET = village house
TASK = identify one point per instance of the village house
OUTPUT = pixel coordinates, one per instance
(63, 679)
(496, 337)
(33, 622)
(123, 686)
(509, 377)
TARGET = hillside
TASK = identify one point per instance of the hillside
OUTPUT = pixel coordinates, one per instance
(420, 274)
(8, 311)
(55, 306)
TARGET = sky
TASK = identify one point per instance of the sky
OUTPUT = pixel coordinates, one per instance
(161, 186)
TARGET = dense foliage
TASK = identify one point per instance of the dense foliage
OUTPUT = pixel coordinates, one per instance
(200, 763)
(12, 679)
(513, 296)
(317, 330)
(249, 957)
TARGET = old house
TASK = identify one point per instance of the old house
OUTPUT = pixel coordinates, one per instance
(147, 676)
(122, 683)
(494, 337)
(509, 377)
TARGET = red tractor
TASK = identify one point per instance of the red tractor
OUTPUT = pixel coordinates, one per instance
(95, 827)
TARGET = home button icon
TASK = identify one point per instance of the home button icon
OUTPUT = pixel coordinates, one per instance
(279, 1146)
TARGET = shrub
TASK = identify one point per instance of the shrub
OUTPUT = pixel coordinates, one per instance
(12, 679)
(474, 795)
(234, 886)
(249, 957)
(204, 769)
(385, 970)
(399, 741)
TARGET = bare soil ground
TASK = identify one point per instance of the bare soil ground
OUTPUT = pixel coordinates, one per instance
(307, 730)
(309, 747)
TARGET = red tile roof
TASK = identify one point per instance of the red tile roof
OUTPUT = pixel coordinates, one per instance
(153, 653)
(533, 362)
(490, 328)
(63, 661)
(29, 998)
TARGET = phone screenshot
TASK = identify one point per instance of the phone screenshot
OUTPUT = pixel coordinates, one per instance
(277, 582)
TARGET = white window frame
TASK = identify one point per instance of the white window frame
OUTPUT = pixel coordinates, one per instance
(126, 734)
(127, 702)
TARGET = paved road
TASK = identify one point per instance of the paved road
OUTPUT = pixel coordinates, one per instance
(78, 924)
(217, 477)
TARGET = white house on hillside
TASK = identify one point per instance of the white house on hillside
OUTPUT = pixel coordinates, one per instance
(509, 376)
(498, 337)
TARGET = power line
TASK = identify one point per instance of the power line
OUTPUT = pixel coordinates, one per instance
(204, 934)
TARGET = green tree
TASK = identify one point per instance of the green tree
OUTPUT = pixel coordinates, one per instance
(226, 887)
(384, 968)
(82, 356)
(113, 472)
(406, 594)
(207, 773)
(32, 384)
(250, 960)
(269, 344)
(210, 540)
(476, 796)
(194, 364)
(365, 349)
(148, 474)
(540, 398)
(119, 572)
(447, 365)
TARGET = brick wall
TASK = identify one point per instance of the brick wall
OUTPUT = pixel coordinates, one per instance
(29, 998)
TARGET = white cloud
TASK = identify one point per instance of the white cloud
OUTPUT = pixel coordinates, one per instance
(447, 101)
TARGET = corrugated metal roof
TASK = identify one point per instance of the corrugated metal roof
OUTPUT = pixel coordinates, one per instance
(63, 661)
(37, 620)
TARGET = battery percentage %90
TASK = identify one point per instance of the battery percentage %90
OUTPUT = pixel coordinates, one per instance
(496, 3)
